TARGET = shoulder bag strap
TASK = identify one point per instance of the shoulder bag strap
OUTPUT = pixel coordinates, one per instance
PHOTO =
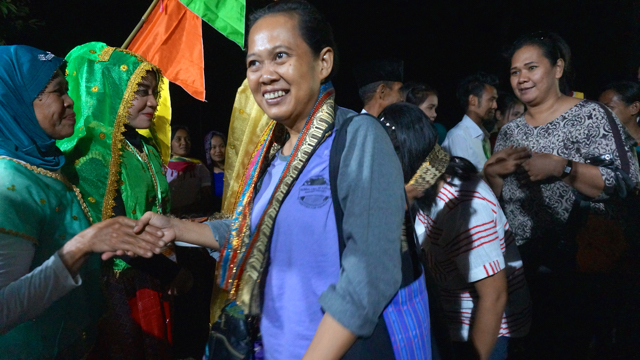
(617, 137)
(335, 156)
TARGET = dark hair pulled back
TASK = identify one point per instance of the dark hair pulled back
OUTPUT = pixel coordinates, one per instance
(413, 137)
(418, 93)
(553, 48)
(506, 102)
(313, 26)
(174, 130)
(628, 91)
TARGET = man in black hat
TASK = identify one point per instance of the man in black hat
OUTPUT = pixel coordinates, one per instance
(379, 84)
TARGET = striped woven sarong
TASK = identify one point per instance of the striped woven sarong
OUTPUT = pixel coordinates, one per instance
(407, 319)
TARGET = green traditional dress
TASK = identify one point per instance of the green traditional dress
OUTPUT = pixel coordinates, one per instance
(45, 313)
(120, 172)
(50, 203)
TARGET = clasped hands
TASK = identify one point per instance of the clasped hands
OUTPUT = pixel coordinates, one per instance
(121, 236)
(146, 236)
(116, 237)
(530, 166)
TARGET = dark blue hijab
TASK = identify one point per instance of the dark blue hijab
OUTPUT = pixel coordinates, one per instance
(24, 73)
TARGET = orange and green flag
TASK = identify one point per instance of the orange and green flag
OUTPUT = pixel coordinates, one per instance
(171, 37)
(226, 16)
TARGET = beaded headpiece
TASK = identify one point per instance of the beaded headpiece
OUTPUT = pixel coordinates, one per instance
(386, 123)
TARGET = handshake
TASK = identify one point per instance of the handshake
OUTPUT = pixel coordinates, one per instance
(123, 236)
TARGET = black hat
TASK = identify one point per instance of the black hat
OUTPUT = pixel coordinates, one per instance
(378, 70)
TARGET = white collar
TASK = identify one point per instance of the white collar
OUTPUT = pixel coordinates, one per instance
(476, 131)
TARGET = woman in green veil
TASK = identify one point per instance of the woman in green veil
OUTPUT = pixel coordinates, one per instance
(120, 172)
(50, 299)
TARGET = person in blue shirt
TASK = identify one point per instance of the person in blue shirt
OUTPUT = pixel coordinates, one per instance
(215, 144)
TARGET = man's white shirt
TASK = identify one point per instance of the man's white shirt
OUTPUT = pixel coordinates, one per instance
(465, 140)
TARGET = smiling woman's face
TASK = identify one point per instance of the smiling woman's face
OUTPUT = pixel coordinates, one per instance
(181, 143)
(284, 74)
(218, 148)
(626, 113)
(54, 109)
(533, 77)
(144, 105)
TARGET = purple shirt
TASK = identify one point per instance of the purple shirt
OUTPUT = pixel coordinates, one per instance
(304, 256)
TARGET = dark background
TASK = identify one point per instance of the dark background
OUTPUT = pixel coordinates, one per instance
(441, 41)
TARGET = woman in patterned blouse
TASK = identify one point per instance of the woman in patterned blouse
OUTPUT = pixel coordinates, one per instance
(541, 163)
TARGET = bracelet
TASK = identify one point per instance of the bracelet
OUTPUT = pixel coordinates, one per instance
(567, 169)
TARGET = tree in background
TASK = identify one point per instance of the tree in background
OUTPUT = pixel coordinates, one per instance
(15, 19)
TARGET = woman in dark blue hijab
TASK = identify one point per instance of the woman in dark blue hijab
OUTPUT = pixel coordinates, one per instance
(50, 296)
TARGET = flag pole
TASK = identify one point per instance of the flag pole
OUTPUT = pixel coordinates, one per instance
(140, 23)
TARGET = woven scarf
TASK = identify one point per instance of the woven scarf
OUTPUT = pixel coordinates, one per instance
(244, 255)
(431, 169)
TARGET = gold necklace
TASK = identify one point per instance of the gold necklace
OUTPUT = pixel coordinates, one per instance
(142, 156)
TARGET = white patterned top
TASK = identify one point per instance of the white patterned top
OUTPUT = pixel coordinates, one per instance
(541, 209)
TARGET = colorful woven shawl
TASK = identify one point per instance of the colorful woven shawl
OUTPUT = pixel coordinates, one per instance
(183, 164)
(244, 255)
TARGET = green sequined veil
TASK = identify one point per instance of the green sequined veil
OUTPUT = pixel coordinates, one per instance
(103, 81)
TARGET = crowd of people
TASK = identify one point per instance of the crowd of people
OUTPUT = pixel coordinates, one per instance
(355, 235)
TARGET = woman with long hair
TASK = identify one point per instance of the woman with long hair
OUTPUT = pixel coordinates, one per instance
(470, 249)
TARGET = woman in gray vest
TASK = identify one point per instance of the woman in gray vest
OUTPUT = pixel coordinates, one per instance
(317, 254)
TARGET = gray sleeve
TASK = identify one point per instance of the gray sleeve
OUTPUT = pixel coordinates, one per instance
(371, 193)
(26, 294)
(220, 230)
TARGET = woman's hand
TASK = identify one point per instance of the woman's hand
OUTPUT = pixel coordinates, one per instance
(176, 229)
(117, 235)
(153, 220)
(412, 193)
(110, 237)
(506, 161)
(542, 166)
(503, 163)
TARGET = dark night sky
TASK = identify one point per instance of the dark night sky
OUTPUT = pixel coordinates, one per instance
(441, 41)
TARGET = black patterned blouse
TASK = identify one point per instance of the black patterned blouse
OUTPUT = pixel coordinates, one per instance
(540, 209)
